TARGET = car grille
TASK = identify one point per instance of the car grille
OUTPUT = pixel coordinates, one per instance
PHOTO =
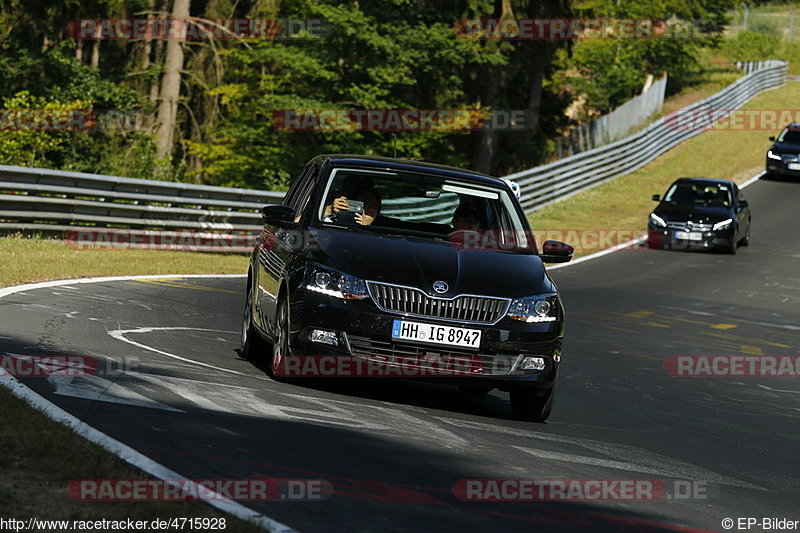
(684, 226)
(464, 308)
(788, 158)
(408, 355)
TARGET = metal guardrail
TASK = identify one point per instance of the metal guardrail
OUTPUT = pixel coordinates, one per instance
(560, 179)
(52, 201)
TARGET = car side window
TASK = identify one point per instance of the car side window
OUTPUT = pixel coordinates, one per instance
(296, 186)
(305, 191)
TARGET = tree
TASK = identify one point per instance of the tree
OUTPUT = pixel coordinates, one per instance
(171, 85)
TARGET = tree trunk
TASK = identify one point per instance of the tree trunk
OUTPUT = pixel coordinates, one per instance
(171, 85)
(485, 143)
(486, 140)
(538, 66)
(96, 53)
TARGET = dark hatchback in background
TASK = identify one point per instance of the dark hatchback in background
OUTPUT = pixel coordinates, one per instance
(418, 260)
(783, 157)
(700, 214)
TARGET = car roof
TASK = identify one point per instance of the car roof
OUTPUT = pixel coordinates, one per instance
(407, 165)
(713, 181)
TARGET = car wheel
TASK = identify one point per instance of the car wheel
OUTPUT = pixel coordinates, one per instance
(280, 345)
(746, 239)
(526, 404)
(252, 346)
(474, 391)
(731, 248)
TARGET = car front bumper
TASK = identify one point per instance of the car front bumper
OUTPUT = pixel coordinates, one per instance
(363, 333)
(773, 166)
(664, 238)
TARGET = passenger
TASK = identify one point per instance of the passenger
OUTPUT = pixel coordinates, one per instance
(465, 218)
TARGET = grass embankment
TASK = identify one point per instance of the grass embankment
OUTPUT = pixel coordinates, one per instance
(25, 260)
(40, 457)
(624, 203)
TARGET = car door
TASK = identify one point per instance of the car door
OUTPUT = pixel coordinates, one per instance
(277, 246)
(741, 211)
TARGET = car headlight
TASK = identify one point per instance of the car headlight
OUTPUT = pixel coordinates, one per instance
(335, 283)
(773, 155)
(722, 224)
(543, 308)
(657, 220)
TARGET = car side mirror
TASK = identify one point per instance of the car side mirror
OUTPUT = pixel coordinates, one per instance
(772, 139)
(743, 203)
(277, 214)
(556, 252)
(656, 197)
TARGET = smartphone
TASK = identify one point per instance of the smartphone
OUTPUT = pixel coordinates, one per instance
(349, 216)
(356, 206)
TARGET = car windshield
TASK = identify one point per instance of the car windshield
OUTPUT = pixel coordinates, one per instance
(706, 194)
(790, 136)
(425, 206)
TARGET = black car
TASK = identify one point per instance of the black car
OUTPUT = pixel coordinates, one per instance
(700, 214)
(783, 157)
(401, 263)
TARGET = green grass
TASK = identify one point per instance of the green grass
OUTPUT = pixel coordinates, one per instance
(40, 457)
(25, 260)
(624, 203)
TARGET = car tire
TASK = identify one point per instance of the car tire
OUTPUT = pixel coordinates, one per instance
(526, 404)
(474, 391)
(252, 345)
(732, 245)
(280, 344)
(746, 239)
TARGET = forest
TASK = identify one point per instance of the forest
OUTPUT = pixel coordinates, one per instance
(203, 91)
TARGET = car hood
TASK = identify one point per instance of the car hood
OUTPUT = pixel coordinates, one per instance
(691, 212)
(418, 262)
(782, 148)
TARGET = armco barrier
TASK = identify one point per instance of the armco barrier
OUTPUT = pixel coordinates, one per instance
(560, 179)
(52, 201)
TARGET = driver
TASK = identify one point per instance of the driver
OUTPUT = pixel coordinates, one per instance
(372, 206)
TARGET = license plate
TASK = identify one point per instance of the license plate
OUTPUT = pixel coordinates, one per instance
(689, 235)
(793, 166)
(434, 334)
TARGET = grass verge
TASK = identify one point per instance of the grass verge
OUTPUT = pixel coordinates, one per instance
(624, 203)
(40, 457)
(27, 260)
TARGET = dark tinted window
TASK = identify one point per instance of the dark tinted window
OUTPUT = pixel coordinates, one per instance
(708, 194)
(790, 136)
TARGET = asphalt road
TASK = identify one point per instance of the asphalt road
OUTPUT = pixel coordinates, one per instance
(394, 450)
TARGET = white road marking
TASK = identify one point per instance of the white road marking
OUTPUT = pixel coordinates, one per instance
(99, 389)
(120, 334)
(330, 412)
(623, 454)
(133, 457)
(779, 390)
(124, 452)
